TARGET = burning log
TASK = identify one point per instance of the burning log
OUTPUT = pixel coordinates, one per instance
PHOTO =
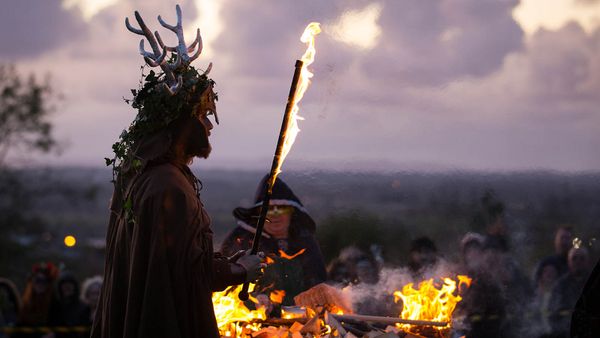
(388, 320)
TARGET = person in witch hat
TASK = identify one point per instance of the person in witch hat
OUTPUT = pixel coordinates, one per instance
(288, 239)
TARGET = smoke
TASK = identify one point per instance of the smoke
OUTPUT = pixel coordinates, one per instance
(499, 290)
(390, 280)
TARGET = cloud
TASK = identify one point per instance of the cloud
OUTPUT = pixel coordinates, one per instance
(33, 27)
(451, 83)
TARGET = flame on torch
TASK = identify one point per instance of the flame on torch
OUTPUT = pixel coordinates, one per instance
(308, 58)
(288, 132)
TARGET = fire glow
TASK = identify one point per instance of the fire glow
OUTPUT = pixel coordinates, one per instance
(429, 302)
(292, 129)
(233, 317)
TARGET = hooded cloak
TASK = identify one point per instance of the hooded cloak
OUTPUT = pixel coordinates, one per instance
(160, 269)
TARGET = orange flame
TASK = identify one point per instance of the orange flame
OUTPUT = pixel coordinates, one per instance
(429, 302)
(286, 256)
(233, 317)
(277, 296)
(308, 37)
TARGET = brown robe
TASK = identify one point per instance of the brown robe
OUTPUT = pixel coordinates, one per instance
(160, 268)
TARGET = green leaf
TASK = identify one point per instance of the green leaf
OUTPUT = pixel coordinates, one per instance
(128, 204)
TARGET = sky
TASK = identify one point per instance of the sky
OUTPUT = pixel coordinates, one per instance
(495, 85)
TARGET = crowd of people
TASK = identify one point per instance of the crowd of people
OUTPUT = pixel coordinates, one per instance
(53, 304)
(502, 301)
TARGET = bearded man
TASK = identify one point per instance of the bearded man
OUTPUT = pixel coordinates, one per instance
(160, 268)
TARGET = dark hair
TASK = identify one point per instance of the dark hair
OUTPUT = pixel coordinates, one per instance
(421, 244)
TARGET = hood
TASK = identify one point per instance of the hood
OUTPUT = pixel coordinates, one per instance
(282, 195)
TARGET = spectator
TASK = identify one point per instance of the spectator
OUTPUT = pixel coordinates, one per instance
(37, 297)
(544, 280)
(90, 293)
(423, 254)
(345, 269)
(567, 289)
(515, 286)
(563, 241)
(10, 304)
(483, 306)
(471, 247)
(68, 310)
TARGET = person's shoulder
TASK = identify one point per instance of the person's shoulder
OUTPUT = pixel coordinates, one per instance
(164, 179)
(166, 176)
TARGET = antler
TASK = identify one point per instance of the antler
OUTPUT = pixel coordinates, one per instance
(181, 48)
(158, 57)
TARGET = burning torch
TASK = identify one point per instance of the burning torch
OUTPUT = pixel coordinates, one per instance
(289, 130)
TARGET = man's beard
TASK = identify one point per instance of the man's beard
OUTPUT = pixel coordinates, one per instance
(198, 145)
(204, 152)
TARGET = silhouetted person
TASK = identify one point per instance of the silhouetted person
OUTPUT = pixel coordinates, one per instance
(544, 279)
(10, 304)
(37, 298)
(90, 293)
(422, 255)
(68, 310)
(567, 290)
(483, 306)
(563, 241)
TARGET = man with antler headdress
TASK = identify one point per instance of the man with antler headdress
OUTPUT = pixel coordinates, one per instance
(160, 267)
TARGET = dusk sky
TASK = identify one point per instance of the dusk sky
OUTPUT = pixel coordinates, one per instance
(399, 84)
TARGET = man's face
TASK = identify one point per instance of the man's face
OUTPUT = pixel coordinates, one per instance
(201, 126)
(563, 241)
(67, 289)
(578, 260)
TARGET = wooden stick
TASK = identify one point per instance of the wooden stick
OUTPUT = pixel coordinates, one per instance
(281, 321)
(388, 320)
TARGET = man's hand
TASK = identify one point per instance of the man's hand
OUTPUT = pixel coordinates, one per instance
(264, 301)
(253, 264)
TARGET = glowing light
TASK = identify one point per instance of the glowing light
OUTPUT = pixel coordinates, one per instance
(308, 37)
(70, 241)
(286, 256)
(210, 23)
(554, 14)
(88, 8)
(358, 28)
(277, 296)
